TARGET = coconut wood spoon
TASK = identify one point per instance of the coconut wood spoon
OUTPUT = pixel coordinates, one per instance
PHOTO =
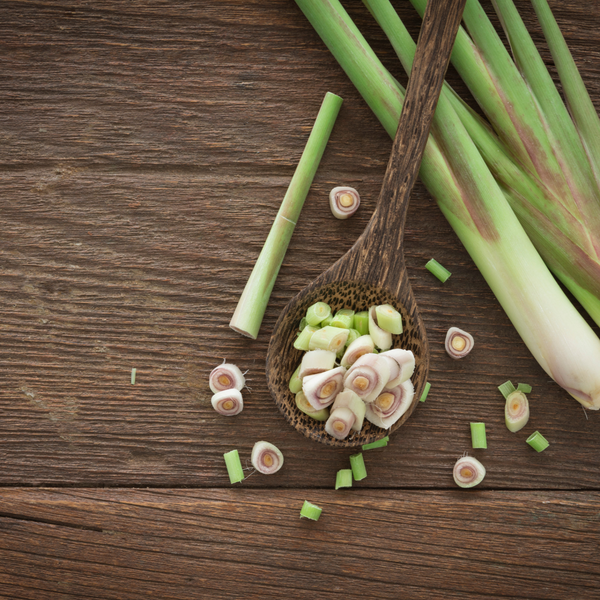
(373, 272)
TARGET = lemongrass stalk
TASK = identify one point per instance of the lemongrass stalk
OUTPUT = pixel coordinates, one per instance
(251, 307)
(478, 437)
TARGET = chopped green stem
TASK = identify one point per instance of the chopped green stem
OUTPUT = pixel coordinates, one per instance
(302, 342)
(295, 381)
(328, 338)
(434, 267)
(317, 313)
(537, 441)
(478, 437)
(343, 318)
(377, 443)
(234, 466)
(361, 322)
(343, 478)
(524, 387)
(310, 511)
(357, 464)
(389, 319)
(425, 392)
(506, 388)
(133, 372)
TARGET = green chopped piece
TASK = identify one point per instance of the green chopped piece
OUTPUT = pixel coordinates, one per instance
(478, 438)
(361, 322)
(343, 318)
(303, 324)
(389, 319)
(343, 478)
(327, 321)
(506, 388)
(295, 381)
(303, 340)
(310, 511)
(305, 406)
(317, 312)
(524, 387)
(328, 338)
(377, 443)
(433, 266)
(425, 392)
(353, 334)
(234, 466)
(537, 441)
(357, 463)
(133, 372)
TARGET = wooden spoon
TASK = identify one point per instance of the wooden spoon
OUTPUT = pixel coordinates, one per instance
(373, 272)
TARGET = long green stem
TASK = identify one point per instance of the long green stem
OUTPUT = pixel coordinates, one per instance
(251, 307)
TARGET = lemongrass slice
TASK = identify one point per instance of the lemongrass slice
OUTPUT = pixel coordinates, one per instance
(388, 318)
(360, 346)
(226, 377)
(361, 322)
(425, 392)
(295, 384)
(228, 402)
(357, 464)
(316, 361)
(390, 405)
(344, 318)
(405, 366)
(537, 441)
(306, 407)
(310, 511)
(266, 458)
(343, 478)
(328, 338)
(478, 436)
(348, 399)
(343, 201)
(302, 342)
(340, 423)
(382, 443)
(382, 339)
(433, 266)
(321, 389)
(234, 466)
(468, 472)
(367, 376)
(516, 411)
(317, 313)
(458, 343)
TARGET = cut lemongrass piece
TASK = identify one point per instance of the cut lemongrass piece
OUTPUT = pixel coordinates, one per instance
(317, 312)
(348, 399)
(357, 464)
(377, 444)
(433, 266)
(524, 387)
(405, 366)
(343, 201)
(228, 402)
(307, 408)
(537, 441)
(506, 388)
(468, 472)
(303, 324)
(458, 343)
(343, 318)
(389, 319)
(478, 437)
(328, 338)
(390, 405)
(367, 376)
(359, 347)
(316, 361)
(226, 377)
(353, 334)
(425, 392)
(234, 466)
(327, 321)
(266, 458)
(382, 339)
(516, 411)
(361, 322)
(295, 384)
(343, 478)
(302, 342)
(322, 388)
(310, 511)
(133, 372)
(339, 423)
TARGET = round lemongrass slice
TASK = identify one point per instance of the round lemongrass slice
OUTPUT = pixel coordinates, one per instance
(360, 346)
(348, 399)
(328, 338)
(405, 366)
(343, 201)
(381, 338)
(316, 361)
(367, 376)
(516, 411)
(321, 389)
(340, 423)
(228, 402)
(390, 405)
(458, 343)
(226, 377)
(468, 472)
(266, 458)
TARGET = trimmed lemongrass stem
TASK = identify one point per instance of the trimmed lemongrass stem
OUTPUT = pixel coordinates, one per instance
(328, 338)
(425, 392)
(343, 201)
(458, 343)
(468, 472)
(348, 399)
(516, 411)
(435, 268)
(310, 511)
(302, 342)
(339, 423)
(405, 360)
(360, 346)
(266, 458)
(389, 319)
(367, 376)
(228, 402)
(343, 478)
(537, 441)
(306, 407)
(295, 384)
(353, 335)
(317, 313)
(225, 377)
(361, 322)
(381, 338)
(390, 405)
(357, 464)
(316, 361)
(343, 318)
(251, 307)
(506, 388)
(377, 443)
(322, 388)
(457, 177)
(524, 387)
(234, 466)
(478, 437)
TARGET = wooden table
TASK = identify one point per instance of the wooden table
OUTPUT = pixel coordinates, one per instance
(146, 147)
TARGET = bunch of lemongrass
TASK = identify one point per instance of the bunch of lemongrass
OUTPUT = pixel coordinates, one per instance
(465, 189)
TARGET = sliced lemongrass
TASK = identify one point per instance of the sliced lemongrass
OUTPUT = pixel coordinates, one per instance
(343, 318)
(524, 387)
(295, 384)
(537, 441)
(339, 423)
(405, 366)
(361, 322)
(321, 389)
(389, 319)
(382, 339)
(425, 392)
(478, 437)
(468, 472)
(228, 402)
(367, 376)
(348, 399)
(343, 201)
(328, 338)
(234, 466)
(343, 478)
(359, 347)
(377, 443)
(434, 267)
(357, 464)
(327, 321)
(133, 372)
(303, 324)
(226, 377)
(302, 342)
(516, 411)
(353, 334)
(389, 406)
(316, 361)
(310, 511)
(307, 408)
(317, 312)
(266, 458)
(458, 343)
(506, 388)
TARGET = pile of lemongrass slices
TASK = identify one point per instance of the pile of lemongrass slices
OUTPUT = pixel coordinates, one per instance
(349, 371)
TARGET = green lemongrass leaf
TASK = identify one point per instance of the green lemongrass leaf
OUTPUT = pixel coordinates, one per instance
(377, 443)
